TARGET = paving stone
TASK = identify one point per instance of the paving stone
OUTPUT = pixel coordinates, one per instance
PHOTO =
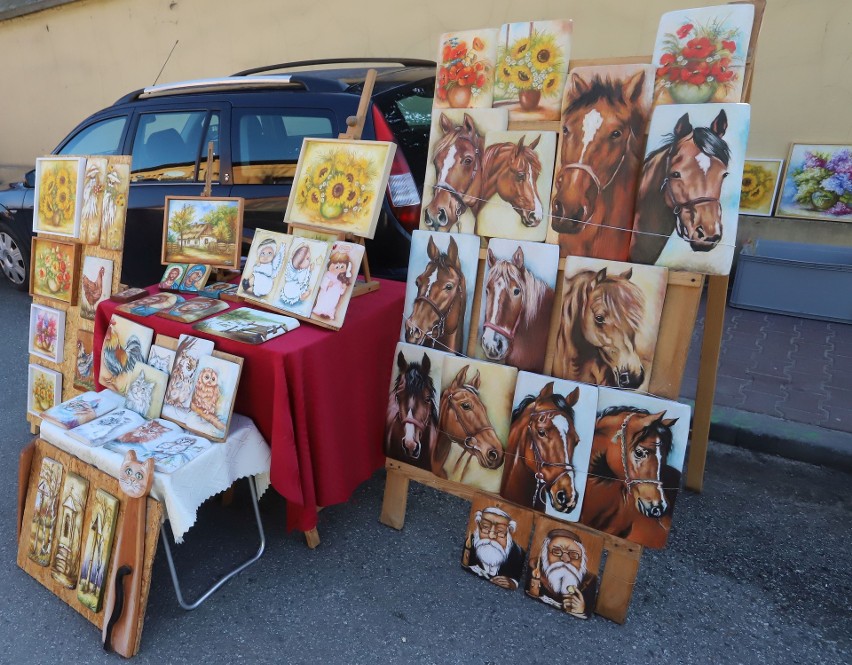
(688, 387)
(809, 381)
(813, 331)
(839, 418)
(741, 340)
(782, 324)
(750, 326)
(842, 365)
(842, 380)
(790, 413)
(770, 366)
(758, 402)
(771, 385)
(811, 350)
(806, 401)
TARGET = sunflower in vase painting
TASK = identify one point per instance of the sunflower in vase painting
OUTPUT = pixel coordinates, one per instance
(530, 68)
(338, 185)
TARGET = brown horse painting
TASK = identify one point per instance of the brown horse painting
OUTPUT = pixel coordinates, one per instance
(601, 318)
(464, 422)
(411, 428)
(594, 190)
(438, 311)
(631, 489)
(680, 190)
(540, 451)
(512, 171)
(517, 314)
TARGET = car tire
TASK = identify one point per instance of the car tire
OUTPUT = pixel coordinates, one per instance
(14, 259)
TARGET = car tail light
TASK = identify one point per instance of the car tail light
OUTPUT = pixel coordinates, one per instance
(403, 197)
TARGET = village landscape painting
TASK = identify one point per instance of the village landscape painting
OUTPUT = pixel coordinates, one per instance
(203, 230)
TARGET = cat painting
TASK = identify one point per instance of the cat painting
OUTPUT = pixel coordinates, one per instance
(145, 390)
(152, 430)
(139, 393)
(182, 380)
(161, 358)
(135, 477)
(107, 427)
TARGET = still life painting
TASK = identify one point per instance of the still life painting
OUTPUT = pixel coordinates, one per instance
(95, 285)
(466, 69)
(247, 325)
(203, 230)
(146, 389)
(47, 333)
(532, 62)
(125, 344)
(45, 508)
(93, 195)
(58, 197)
(340, 184)
(337, 283)
(44, 389)
(761, 178)
(817, 183)
(114, 203)
(54, 270)
(299, 281)
(66, 559)
(100, 531)
(84, 362)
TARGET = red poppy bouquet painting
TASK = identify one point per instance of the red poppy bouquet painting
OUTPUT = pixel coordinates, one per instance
(466, 69)
(700, 54)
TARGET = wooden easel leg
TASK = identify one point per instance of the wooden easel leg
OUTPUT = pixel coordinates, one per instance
(617, 582)
(312, 538)
(395, 500)
(714, 324)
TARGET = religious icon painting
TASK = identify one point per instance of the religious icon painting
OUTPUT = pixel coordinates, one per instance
(54, 269)
(129, 295)
(173, 276)
(411, 422)
(47, 333)
(263, 265)
(455, 168)
(300, 277)
(496, 541)
(605, 111)
(203, 230)
(194, 309)
(517, 184)
(45, 511)
(442, 270)
(95, 285)
(761, 178)
(216, 289)
(517, 303)
(114, 202)
(94, 568)
(195, 278)
(637, 459)
(474, 418)
(337, 283)
(466, 69)
(44, 389)
(700, 54)
(563, 567)
(550, 441)
(532, 62)
(84, 363)
(126, 343)
(687, 207)
(94, 182)
(151, 304)
(609, 321)
(145, 391)
(66, 558)
(58, 195)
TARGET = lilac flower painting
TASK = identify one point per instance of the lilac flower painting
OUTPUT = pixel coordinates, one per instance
(818, 183)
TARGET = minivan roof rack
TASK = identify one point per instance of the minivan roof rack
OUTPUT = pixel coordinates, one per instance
(215, 84)
(405, 62)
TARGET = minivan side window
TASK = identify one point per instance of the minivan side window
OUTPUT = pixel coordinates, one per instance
(166, 146)
(266, 143)
(100, 138)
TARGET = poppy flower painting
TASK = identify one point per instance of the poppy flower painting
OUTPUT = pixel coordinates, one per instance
(466, 69)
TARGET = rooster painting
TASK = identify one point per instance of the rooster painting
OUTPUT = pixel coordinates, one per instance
(83, 368)
(95, 285)
(122, 349)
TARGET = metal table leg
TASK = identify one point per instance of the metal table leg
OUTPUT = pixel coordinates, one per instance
(228, 576)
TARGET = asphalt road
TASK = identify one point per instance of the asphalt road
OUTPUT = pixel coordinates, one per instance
(756, 571)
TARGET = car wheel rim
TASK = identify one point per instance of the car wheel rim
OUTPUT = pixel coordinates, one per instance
(11, 259)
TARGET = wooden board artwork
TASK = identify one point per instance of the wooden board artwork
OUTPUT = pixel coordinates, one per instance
(97, 480)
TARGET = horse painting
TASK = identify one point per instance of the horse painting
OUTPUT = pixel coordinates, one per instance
(603, 128)
(631, 487)
(602, 315)
(464, 422)
(512, 170)
(516, 313)
(411, 427)
(681, 188)
(540, 452)
(438, 310)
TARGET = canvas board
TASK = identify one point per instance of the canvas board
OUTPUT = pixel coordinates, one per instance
(58, 195)
(337, 283)
(54, 270)
(114, 204)
(145, 391)
(195, 278)
(264, 265)
(95, 563)
(817, 183)
(94, 184)
(467, 61)
(83, 408)
(47, 333)
(194, 309)
(65, 566)
(299, 280)
(151, 304)
(126, 343)
(759, 190)
(42, 528)
(95, 285)
(84, 364)
(99, 431)
(44, 389)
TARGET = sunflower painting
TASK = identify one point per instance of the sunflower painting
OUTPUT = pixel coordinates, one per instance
(532, 64)
(339, 185)
(59, 195)
(760, 186)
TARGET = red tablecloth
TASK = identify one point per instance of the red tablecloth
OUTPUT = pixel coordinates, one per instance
(317, 396)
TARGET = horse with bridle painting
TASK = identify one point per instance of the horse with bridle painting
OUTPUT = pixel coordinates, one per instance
(631, 488)
(512, 171)
(594, 190)
(411, 427)
(464, 422)
(540, 452)
(438, 311)
(517, 313)
(681, 189)
(602, 315)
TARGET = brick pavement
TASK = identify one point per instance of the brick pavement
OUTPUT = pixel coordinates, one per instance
(782, 366)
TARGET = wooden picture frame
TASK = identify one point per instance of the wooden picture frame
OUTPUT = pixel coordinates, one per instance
(754, 184)
(228, 258)
(70, 285)
(827, 199)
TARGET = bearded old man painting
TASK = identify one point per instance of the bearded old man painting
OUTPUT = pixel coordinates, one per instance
(491, 549)
(561, 573)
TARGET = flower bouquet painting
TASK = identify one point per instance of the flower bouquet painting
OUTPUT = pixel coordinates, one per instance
(700, 54)
(466, 69)
(760, 185)
(532, 63)
(58, 195)
(47, 333)
(44, 389)
(818, 183)
(54, 272)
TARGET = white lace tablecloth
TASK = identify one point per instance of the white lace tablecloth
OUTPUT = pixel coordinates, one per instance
(181, 492)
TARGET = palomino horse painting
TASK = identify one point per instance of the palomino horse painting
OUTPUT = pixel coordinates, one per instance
(518, 172)
(439, 293)
(514, 317)
(474, 418)
(609, 322)
(411, 424)
(604, 115)
(635, 468)
(688, 202)
(452, 187)
(547, 455)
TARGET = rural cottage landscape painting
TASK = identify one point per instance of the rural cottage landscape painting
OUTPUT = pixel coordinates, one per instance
(203, 230)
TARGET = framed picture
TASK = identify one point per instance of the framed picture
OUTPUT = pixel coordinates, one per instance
(340, 184)
(44, 389)
(760, 186)
(59, 195)
(203, 230)
(817, 183)
(47, 333)
(54, 270)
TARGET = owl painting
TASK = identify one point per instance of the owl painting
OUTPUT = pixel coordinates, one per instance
(205, 397)
(213, 393)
